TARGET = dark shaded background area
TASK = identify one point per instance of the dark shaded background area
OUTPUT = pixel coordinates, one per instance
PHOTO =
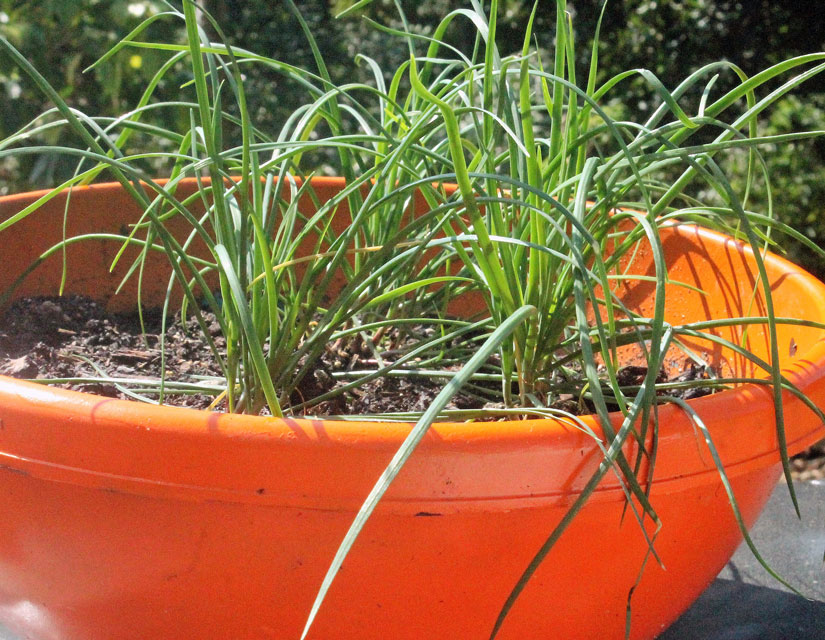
(671, 38)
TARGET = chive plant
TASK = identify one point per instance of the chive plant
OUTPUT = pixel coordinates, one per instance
(278, 310)
(554, 198)
(553, 195)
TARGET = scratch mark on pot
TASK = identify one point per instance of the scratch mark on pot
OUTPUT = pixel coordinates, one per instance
(426, 514)
(21, 472)
(260, 491)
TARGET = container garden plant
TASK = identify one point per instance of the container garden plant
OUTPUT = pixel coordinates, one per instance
(530, 249)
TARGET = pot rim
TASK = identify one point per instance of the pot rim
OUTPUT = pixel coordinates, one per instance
(108, 417)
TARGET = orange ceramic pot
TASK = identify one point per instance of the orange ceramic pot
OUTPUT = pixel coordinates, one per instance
(123, 520)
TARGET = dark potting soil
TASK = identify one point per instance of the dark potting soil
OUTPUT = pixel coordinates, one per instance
(60, 338)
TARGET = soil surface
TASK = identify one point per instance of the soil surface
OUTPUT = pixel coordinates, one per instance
(75, 338)
(48, 338)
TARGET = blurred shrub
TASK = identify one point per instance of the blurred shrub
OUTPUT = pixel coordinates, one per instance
(671, 38)
(61, 38)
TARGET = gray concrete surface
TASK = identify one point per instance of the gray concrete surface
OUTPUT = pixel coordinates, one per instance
(744, 602)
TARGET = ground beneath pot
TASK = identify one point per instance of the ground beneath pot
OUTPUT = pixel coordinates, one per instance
(75, 340)
(745, 602)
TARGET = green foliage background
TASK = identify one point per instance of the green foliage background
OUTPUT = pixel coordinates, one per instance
(669, 37)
